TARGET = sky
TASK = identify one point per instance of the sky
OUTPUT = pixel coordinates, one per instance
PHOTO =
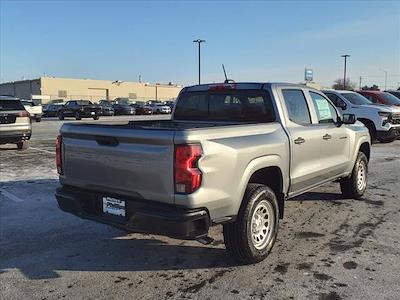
(255, 40)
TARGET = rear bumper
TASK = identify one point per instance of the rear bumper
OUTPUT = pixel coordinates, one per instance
(14, 136)
(394, 132)
(141, 216)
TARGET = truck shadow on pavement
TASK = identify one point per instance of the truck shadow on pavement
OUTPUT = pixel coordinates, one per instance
(57, 242)
(52, 241)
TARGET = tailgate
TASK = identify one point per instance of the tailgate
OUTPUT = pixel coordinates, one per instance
(118, 160)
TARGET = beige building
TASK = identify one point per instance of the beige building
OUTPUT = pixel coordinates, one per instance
(54, 88)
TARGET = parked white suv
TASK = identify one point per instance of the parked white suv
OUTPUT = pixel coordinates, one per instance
(382, 121)
(159, 108)
(34, 109)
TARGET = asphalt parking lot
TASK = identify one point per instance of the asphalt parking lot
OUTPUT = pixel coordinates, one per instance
(327, 248)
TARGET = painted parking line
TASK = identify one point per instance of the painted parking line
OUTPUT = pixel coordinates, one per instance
(42, 150)
(10, 196)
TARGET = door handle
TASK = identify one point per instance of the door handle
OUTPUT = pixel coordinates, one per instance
(299, 141)
(327, 137)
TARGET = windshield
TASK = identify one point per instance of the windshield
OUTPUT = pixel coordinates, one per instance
(231, 106)
(390, 99)
(11, 105)
(356, 98)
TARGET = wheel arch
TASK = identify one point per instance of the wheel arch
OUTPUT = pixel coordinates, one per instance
(268, 170)
(366, 149)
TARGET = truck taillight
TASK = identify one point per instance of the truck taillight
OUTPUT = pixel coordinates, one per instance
(186, 172)
(23, 114)
(59, 154)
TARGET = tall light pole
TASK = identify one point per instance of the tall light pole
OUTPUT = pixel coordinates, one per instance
(345, 66)
(199, 41)
(385, 78)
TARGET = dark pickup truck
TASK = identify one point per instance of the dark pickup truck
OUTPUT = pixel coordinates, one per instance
(79, 109)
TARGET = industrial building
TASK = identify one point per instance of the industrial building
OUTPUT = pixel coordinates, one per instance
(49, 89)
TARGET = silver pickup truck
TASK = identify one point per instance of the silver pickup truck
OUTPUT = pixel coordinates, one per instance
(231, 154)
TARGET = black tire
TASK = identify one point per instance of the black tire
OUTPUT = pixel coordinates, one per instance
(95, 117)
(78, 116)
(61, 116)
(38, 119)
(238, 235)
(23, 145)
(349, 185)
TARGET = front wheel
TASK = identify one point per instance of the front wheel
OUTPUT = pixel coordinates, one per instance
(355, 185)
(38, 119)
(251, 237)
(61, 116)
(78, 116)
(95, 117)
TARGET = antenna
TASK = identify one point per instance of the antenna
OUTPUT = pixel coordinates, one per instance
(226, 78)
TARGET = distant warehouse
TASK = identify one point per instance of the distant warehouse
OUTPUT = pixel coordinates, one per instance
(49, 89)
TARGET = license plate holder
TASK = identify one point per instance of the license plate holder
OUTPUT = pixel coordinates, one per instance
(113, 206)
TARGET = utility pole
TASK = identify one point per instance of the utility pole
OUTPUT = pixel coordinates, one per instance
(199, 41)
(345, 66)
(360, 82)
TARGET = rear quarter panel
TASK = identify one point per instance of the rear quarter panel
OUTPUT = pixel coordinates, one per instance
(231, 154)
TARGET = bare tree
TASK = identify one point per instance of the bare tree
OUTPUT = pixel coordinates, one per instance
(370, 88)
(338, 84)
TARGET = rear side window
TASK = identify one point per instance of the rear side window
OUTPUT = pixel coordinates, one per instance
(297, 106)
(231, 105)
(11, 105)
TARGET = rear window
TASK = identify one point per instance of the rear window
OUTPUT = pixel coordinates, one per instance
(84, 102)
(11, 105)
(234, 105)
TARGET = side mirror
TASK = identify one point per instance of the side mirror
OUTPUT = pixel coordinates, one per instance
(349, 119)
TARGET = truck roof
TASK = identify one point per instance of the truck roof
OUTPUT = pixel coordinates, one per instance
(238, 85)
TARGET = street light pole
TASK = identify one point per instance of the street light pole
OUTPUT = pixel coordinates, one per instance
(345, 66)
(199, 41)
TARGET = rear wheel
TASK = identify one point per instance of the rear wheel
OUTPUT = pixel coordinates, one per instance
(61, 116)
(22, 145)
(38, 119)
(251, 237)
(78, 116)
(355, 185)
(95, 117)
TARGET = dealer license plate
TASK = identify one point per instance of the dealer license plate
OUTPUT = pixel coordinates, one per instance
(114, 206)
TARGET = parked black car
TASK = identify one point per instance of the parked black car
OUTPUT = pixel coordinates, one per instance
(80, 109)
(142, 109)
(123, 109)
(106, 108)
(52, 109)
